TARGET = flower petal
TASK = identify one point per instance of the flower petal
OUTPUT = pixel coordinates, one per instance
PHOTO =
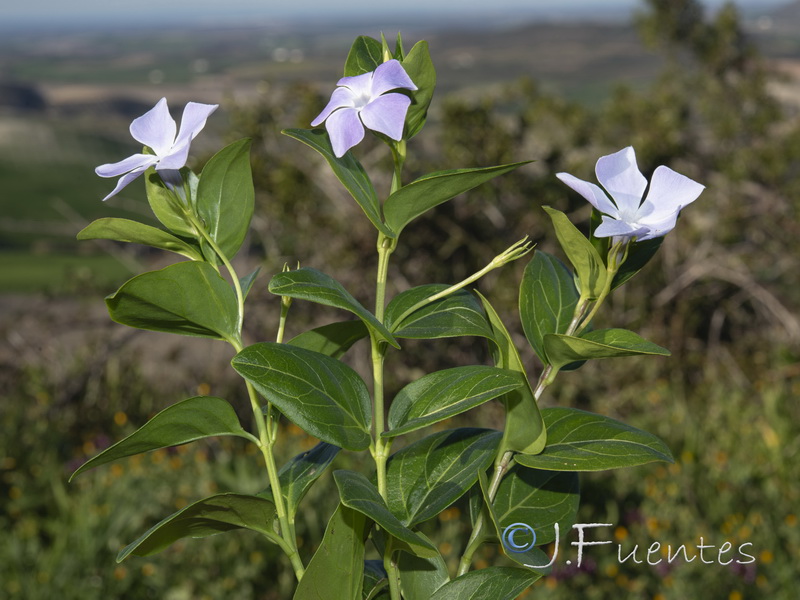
(155, 128)
(126, 164)
(387, 114)
(125, 180)
(669, 192)
(659, 228)
(617, 228)
(390, 76)
(340, 98)
(359, 85)
(622, 179)
(176, 158)
(345, 130)
(591, 192)
(193, 120)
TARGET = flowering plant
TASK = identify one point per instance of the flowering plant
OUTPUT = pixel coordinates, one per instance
(524, 474)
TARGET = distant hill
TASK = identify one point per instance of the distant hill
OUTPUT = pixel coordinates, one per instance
(786, 18)
(20, 96)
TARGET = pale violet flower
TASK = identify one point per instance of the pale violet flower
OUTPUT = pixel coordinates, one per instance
(157, 130)
(362, 101)
(625, 215)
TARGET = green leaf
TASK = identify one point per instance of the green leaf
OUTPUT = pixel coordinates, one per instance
(459, 314)
(547, 300)
(419, 67)
(365, 55)
(583, 441)
(539, 499)
(358, 493)
(192, 419)
(125, 230)
(212, 515)
(639, 254)
(524, 429)
(319, 394)
(348, 170)
(419, 196)
(426, 477)
(531, 557)
(166, 206)
(375, 581)
(385, 48)
(420, 577)
(491, 583)
(299, 474)
(189, 298)
(399, 53)
(601, 343)
(443, 394)
(338, 563)
(315, 286)
(589, 267)
(602, 244)
(332, 340)
(225, 196)
(246, 282)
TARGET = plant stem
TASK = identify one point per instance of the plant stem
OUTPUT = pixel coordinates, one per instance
(392, 573)
(234, 277)
(381, 446)
(266, 436)
(265, 445)
(517, 250)
(286, 302)
(478, 536)
(580, 320)
(398, 158)
(614, 262)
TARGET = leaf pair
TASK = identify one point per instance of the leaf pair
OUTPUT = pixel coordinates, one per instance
(547, 304)
(184, 422)
(407, 203)
(198, 418)
(329, 400)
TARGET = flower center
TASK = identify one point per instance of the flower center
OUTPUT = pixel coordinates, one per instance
(361, 101)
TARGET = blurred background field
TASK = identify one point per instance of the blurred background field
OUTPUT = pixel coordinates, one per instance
(714, 94)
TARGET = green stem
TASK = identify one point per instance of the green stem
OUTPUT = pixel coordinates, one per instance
(517, 250)
(234, 277)
(265, 437)
(265, 445)
(399, 158)
(580, 320)
(381, 447)
(546, 377)
(614, 262)
(478, 536)
(392, 572)
(286, 302)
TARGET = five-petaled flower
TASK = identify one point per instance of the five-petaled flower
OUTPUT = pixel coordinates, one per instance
(361, 101)
(156, 129)
(628, 217)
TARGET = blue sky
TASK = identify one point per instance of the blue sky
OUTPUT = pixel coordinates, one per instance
(75, 12)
